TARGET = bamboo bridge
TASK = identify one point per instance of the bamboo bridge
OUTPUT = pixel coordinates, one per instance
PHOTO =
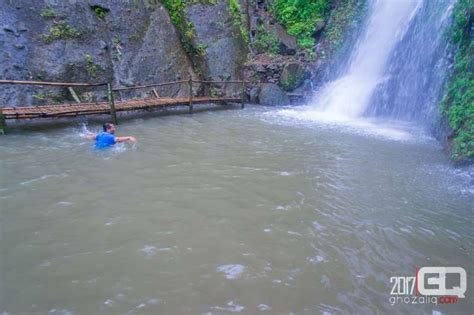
(111, 106)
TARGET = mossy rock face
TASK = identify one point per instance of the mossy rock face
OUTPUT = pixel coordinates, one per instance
(292, 76)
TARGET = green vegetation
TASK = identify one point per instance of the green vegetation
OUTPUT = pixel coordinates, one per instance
(116, 48)
(91, 68)
(177, 12)
(48, 97)
(458, 103)
(292, 76)
(214, 92)
(99, 11)
(300, 18)
(40, 97)
(345, 18)
(237, 17)
(135, 37)
(266, 41)
(60, 30)
(201, 49)
(48, 13)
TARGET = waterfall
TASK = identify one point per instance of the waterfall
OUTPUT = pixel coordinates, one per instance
(417, 69)
(391, 83)
(349, 95)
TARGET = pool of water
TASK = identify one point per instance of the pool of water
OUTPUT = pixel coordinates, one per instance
(241, 211)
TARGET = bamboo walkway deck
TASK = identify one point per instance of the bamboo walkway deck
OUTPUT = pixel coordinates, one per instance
(82, 109)
(111, 106)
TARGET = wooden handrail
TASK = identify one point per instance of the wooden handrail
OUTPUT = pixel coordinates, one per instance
(114, 89)
(234, 82)
(148, 86)
(51, 83)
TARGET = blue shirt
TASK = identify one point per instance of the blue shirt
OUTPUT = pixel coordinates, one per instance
(104, 140)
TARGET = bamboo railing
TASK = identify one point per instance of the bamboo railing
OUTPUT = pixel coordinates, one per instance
(111, 90)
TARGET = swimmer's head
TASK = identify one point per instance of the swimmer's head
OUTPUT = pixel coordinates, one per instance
(108, 127)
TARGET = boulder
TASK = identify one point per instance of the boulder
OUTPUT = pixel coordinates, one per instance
(224, 47)
(292, 76)
(318, 27)
(253, 94)
(286, 42)
(271, 95)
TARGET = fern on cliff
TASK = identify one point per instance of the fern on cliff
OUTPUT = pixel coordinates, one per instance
(458, 103)
(300, 18)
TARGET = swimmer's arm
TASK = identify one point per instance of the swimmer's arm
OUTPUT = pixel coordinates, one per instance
(125, 139)
(91, 136)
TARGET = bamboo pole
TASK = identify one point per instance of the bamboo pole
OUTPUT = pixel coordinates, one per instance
(148, 86)
(74, 95)
(110, 96)
(190, 82)
(219, 82)
(3, 125)
(242, 95)
(50, 83)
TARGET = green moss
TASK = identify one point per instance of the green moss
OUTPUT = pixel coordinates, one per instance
(135, 37)
(265, 42)
(214, 92)
(177, 12)
(48, 97)
(238, 18)
(300, 17)
(201, 49)
(458, 103)
(48, 13)
(60, 30)
(40, 97)
(292, 76)
(91, 68)
(344, 19)
(116, 48)
(99, 11)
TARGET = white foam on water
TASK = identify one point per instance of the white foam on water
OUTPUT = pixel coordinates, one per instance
(457, 179)
(45, 263)
(83, 130)
(342, 123)
(231, 272)
(153, 301)
(108, 302)
(294, 233)
(231, 307)
(60, 312)
(64, 203)
(31, 181)
(342, 102)
(149, 250)
(264, 307)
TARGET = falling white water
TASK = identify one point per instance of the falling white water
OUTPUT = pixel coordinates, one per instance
(342, 102)
(349, 95)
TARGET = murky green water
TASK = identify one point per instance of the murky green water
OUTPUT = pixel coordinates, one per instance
(227, 211)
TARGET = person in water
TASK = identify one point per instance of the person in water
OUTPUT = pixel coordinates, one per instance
(107, 137)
